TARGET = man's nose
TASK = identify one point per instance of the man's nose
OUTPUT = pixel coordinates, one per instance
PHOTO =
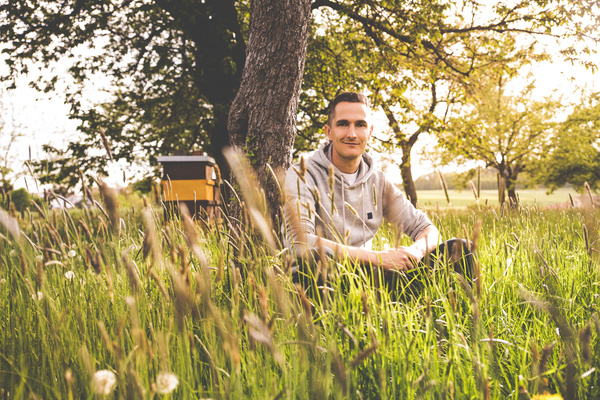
(352, 131)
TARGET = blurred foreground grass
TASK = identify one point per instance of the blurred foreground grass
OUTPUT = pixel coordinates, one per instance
(117, 302)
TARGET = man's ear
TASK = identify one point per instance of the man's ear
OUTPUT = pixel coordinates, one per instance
(327, 131)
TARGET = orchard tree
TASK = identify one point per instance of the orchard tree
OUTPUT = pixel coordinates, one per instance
(508, 132)
(574, 156)
(174, 68)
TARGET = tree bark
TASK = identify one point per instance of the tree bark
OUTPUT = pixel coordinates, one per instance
(262, 118)
(407, 179)
(511, 189)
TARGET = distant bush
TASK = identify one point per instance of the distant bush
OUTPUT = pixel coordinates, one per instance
(21, 199)
(143, 186)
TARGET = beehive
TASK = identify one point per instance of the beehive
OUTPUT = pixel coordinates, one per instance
(190, 180)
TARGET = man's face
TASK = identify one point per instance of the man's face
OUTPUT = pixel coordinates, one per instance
(349, 133)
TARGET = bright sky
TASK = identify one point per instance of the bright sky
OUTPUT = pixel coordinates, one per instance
(42, 119)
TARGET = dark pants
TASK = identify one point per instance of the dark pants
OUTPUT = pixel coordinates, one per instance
(453, 254)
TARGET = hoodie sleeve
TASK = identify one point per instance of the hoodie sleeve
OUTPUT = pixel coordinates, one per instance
(400, 212)
(299, 212)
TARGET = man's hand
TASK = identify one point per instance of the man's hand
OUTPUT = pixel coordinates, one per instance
(402, 258)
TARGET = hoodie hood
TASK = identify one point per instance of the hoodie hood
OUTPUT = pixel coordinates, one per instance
(322, 158)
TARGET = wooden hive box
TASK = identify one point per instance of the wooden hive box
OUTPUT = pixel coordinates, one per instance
(190, 180)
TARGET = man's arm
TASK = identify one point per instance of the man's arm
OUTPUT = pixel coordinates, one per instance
(402, 258)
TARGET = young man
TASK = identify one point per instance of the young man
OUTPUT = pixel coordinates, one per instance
(337, 200)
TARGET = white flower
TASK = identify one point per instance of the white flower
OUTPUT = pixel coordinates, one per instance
(39, 257)
(40, 296)
(104, 382)
(70, 275)
(72, 253)
(166, 382)
(13, 253)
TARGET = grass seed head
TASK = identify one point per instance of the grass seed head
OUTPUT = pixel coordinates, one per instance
(111, 204)
(589, 192)
(339, 371)
(330, 178)
(132, 273)
(365, 303)
(10, 223)
(183, 299)
(159, 283)
(364, 354)
(105, 143)
(585, 338)
(304, 301)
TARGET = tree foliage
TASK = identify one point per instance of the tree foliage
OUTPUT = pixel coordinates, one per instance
(574, 157)
(175, 65)
(508, 132)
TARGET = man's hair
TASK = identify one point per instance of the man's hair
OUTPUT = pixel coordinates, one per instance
(346, 97)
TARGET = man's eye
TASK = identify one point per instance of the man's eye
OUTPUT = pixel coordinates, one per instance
(342, 123)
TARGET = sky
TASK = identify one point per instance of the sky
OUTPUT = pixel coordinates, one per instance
(43, 119)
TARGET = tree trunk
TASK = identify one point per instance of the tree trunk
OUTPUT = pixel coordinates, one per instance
(511, 189)
(262, 118)
(501, 188)
(407, 179)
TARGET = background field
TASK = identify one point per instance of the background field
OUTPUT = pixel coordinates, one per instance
(433, 198)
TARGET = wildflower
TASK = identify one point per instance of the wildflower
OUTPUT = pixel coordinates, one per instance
(104, 382)
(166, 382)
(70, 275)
(13, 253)
(39, 296)
(72, 253)
(39, 257)
(547, 397)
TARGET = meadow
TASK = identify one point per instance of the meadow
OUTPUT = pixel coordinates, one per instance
(463, 198)
(117, 301)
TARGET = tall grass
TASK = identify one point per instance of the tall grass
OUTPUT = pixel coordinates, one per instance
(123, 289)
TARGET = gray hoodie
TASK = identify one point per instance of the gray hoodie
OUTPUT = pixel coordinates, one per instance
(352, 213)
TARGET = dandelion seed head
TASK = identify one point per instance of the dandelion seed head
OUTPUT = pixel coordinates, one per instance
(70, 275)
(104, 381)
(166, 382)
(39, 257)
(72, 253)
(13, 253)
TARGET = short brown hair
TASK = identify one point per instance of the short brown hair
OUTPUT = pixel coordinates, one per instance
(347, 97)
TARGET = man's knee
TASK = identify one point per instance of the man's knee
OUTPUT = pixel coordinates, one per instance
(310, 261)
(459, 255)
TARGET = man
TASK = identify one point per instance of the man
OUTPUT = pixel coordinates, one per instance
(337, 200)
